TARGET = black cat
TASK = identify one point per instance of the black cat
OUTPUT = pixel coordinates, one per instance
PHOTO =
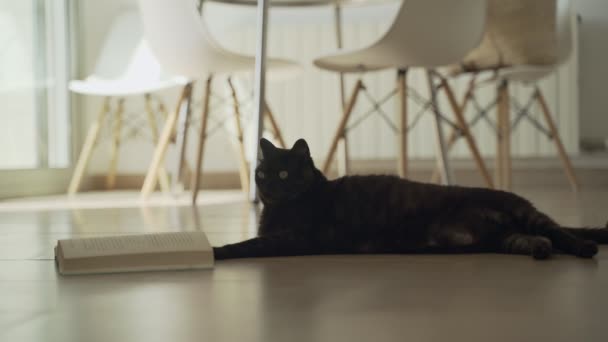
(305, 214)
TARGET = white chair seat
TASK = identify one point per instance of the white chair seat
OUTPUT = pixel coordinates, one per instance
(278, 69)
(126, 66)
(350, 61)
(381, 56)
(186, 47)
(413, 41)
(525, 73)
(101, 87)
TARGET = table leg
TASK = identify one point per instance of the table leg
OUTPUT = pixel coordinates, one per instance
(259, 93)
(343, 157)
(503, 143)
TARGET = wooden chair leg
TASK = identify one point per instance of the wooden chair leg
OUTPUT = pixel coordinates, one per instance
(161, 148)
(116, 135)
(342, 149)
(163, 177)
(187, 173)
(402, 133)
(87, 148)
(162, 109)
(243, 165)
(503, 143)
(467, 133)
(181, 142)
(201, 140)
(276, 131)
(558, 142)
(340, 130)
(442, 157)
(343, 156)
(454, 133)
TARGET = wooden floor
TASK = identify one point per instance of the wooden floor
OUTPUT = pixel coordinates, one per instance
(328, 298)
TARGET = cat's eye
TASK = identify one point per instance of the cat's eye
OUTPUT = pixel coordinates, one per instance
(261, 175)
(283, 174)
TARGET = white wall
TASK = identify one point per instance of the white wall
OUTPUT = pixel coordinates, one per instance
(593, 62)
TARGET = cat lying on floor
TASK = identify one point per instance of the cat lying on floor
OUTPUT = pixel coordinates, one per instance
(306, 214)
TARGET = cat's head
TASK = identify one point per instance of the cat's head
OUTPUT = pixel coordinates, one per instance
(284, 174)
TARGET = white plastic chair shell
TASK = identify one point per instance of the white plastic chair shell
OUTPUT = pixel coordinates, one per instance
(125, 65)
(565, 20)
(184, 45)
(425, 33)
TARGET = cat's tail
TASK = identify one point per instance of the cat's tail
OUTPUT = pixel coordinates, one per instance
(599, 235)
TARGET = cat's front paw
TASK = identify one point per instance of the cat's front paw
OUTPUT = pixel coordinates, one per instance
(542, 249)
(587, 249)
(219, 253)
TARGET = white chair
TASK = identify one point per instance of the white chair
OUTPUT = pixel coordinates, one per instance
(427, 34)
(530, 75)
(184, 45)
(125, 67)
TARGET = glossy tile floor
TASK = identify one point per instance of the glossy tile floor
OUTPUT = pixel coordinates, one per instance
(329, 298)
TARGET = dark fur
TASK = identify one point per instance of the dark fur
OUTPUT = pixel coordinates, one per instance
(306, 214)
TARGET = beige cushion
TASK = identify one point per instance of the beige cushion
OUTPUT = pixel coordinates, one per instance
(518, 32)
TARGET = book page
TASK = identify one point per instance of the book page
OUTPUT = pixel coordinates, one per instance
(134, 244)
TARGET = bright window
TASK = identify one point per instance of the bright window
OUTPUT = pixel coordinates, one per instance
(34, 105)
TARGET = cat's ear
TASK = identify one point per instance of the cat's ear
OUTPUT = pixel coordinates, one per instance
(267, 148)
(301, 147)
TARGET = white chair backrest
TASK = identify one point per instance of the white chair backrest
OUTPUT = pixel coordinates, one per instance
(434, 32)
(124, 54)
(565, 21)
(179, 38)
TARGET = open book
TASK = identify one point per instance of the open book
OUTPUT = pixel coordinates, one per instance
(131, 253)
